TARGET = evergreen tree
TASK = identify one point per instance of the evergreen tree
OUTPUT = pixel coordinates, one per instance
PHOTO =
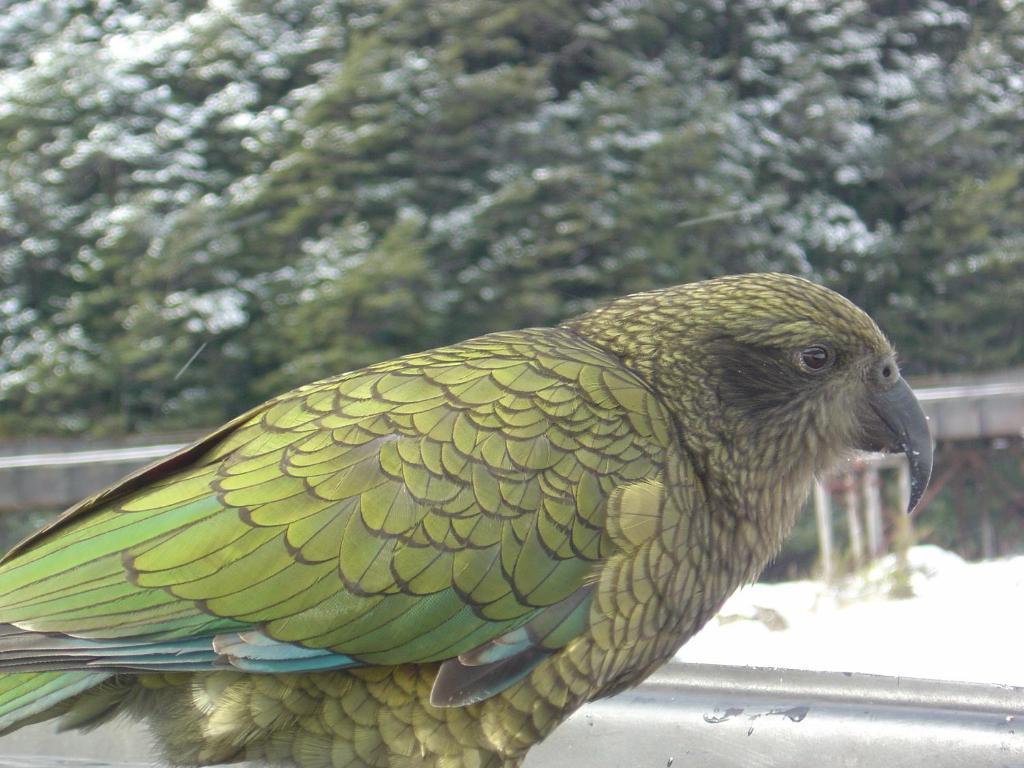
(203, 204)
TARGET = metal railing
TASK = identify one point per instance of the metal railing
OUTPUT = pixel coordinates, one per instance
(743, 717)
(708, 716)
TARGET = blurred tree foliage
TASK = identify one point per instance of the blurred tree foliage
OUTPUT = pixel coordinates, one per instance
(202, 204)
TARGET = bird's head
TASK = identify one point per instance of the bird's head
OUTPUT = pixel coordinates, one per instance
(769, 372)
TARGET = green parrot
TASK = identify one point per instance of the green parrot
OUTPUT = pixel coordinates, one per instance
(434, 560)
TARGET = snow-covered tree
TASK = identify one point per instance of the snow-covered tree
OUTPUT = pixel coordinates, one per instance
(202, 203)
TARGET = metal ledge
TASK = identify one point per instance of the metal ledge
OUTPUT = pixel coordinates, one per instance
(742, 717)
(708, 716)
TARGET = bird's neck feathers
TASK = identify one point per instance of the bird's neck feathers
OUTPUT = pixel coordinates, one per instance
(756, 468)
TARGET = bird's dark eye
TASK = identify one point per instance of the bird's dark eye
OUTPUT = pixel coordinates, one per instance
(815, 359)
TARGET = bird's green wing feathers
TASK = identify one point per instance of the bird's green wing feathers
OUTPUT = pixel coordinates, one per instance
(406, 512)
(25, 696)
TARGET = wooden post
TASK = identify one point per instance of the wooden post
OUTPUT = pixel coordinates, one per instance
(988, 533)
(853, 519)
(871, 486)
(903, 536)
(823, 513)
(983, 477)
(903, 475)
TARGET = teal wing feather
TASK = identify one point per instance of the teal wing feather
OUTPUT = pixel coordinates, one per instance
(25, 696)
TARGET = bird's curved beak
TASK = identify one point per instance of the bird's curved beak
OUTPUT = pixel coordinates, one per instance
(897, 423)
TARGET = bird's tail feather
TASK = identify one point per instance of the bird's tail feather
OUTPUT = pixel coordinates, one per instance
(27, 697)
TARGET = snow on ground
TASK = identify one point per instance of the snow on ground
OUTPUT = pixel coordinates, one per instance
(963, 623)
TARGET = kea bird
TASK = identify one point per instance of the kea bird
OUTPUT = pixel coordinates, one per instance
(434, 560)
